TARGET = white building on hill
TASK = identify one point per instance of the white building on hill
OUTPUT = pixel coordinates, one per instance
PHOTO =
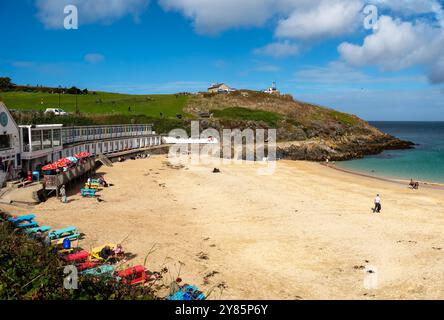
(272, 90)
(220, 87)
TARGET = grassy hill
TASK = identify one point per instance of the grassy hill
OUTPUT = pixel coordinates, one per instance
(98, 103)
(315, 132)
(296, 120)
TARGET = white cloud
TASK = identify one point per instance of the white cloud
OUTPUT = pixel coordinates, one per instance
(325, 19)
(398, 45)
(50, 12)
(212, 17)
(296, 18)
(94, 57)
(338, 72)
(278, 49)
(409, 7)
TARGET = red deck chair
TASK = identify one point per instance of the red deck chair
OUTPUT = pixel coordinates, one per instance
(86, 265)
(77, 257)
(133, 275)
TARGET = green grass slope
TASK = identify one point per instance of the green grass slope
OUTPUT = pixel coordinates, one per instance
(238, 113)
(294, 120)
(101, 103)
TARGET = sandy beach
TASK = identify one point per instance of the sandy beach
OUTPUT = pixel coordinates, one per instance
(305, 232)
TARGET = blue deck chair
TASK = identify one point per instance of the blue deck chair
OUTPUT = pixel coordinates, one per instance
(105, 270)
(88, 192)
(20, 219)
(187, 293)
(62, 233)
(31, 224)
(37, 229)
(73, 236)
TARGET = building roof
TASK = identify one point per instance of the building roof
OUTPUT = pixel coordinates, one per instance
(217, 85)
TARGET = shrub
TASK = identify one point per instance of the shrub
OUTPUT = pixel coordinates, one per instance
(29, 270)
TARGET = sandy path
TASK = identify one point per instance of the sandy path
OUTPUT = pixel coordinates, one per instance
(305, 232)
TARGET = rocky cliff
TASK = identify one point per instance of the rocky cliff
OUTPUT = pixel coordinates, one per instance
(304, 131)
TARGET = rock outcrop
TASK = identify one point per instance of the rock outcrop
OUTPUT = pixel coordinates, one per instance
(304, 131)
(352, 147)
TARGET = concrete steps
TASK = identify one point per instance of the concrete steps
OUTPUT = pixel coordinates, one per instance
(104, 160)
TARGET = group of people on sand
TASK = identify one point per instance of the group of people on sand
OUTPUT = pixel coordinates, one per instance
(43, 237)
(110, 254)
(377, 208)
(414, 184)
(63, 194)
(138, 156)
(107, 253)
(101, 180)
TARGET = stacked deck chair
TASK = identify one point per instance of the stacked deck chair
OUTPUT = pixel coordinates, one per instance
(24, 222)
(187, 293)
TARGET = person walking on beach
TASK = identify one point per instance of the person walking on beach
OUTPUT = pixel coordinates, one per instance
(377, 208)
(63, 194)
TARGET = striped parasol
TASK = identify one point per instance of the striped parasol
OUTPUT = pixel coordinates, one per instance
(72, 159)
(62, 162)
(48, 167)
(83, 154)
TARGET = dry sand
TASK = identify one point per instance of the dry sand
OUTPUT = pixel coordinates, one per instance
(305, 232)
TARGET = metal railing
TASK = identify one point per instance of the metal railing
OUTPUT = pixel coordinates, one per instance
(91, 133)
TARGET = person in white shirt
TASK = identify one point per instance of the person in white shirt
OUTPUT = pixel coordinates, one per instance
(63, 194)
(377, 208)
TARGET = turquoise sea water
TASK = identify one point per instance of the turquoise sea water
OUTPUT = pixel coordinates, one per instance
(424, 163)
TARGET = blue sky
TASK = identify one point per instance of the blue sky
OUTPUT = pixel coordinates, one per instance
(320, 51)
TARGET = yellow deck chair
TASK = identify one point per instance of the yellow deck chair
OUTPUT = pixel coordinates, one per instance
(94, 185)
(59, 245)
(95, 252)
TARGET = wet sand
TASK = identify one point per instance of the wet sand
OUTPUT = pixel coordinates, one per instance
(305, 232)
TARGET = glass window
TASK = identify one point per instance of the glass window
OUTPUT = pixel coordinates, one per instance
(5, 141)
(36, 140)
(25, 139)
(47, 139)
(56, 137)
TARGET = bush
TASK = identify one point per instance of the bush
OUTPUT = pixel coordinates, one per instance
(38, 117)
(238, 113)
(30, 271)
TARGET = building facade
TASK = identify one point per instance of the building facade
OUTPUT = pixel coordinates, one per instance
(219, 87)
(28, 147)
(10, 153)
